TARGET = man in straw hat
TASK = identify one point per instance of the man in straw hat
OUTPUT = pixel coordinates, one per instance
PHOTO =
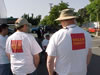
(69, 49)
(22, 49)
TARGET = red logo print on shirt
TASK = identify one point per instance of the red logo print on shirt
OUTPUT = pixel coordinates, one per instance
(78, 41)
(16, 46)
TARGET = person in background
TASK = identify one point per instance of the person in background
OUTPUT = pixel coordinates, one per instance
(45, 41)
(4, 62)
(69, 49)
(44, 46)
(22, 49)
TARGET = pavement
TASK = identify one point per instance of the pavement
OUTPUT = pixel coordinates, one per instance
(94, 66)
(42, 69)
(96, 46)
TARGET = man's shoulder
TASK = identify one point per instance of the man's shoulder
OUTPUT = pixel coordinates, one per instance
(81, 29)
(1, 39)
(57, 33)
(11, 36)
(1, 36)
(84, 31)
(30, 35)
(17, 34)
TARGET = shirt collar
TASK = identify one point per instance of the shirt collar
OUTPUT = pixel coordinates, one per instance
(70, 26)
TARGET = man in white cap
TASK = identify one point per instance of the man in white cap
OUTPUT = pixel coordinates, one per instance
(45, 41)
(22, 49)
(69, 49)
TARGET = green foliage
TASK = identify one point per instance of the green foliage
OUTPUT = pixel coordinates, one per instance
(83, 16)
(33, 20)
(90, 13)
(91, 0)
(44, 21)
(54, 14)
(93, 9)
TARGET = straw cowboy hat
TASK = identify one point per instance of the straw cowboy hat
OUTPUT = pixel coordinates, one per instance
(66, 14)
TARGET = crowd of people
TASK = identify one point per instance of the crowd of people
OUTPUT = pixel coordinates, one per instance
(68, 50)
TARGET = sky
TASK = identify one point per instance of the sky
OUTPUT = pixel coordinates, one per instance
(17, 8)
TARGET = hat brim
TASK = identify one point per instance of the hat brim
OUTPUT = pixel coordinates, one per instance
(65, 18)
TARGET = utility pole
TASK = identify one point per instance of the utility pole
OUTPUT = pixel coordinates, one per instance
(97, 32)
(50, 5)
(61, 0)
(90, 18)
(97, 28)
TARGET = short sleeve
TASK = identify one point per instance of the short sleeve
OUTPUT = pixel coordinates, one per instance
(52, 47)
(8, 47)
(35, 48)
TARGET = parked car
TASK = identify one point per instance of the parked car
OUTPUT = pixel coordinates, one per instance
(93, 29)
(35, 29)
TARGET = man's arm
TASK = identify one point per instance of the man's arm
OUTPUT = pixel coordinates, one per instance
(36, 59)
(8, 55)
(50, 64)
(89, 56)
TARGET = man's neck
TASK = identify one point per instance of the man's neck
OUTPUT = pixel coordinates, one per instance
(19, 31)
(68, 22)
(68, 25)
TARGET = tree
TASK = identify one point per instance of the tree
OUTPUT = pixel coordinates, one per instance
(45, 20)
(33, 20)
(93, 9)
(53, 14)
(91, 0)
(83, 16)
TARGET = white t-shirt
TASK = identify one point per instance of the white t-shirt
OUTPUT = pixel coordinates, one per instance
(70, 46)
(3, 57)
(45, 43)
(22, 46)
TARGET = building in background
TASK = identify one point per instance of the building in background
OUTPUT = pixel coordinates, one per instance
(9, 21)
